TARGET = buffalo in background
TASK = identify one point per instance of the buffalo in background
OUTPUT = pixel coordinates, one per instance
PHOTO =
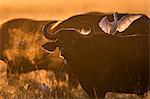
(21, 43)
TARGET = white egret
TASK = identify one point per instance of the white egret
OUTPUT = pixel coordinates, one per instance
(117, 25)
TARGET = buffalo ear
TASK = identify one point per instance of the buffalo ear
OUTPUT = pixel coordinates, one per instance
(50, 46)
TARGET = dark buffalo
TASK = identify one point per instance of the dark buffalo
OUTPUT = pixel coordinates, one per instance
(21, 43)
(104, 62)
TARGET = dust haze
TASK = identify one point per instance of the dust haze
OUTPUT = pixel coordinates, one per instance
(61, 9)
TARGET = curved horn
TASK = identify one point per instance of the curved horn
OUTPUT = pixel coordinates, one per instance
(48, 33)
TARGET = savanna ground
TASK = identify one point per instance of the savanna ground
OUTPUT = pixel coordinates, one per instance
(56, 82)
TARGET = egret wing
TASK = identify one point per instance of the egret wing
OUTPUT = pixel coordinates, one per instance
(125, 22)
(105, 25)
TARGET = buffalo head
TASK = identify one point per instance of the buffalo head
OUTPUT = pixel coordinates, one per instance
(89, 23)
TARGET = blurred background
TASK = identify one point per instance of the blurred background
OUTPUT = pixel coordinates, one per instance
(61, 9)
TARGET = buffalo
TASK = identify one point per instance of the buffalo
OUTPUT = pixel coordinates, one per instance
(103, 62)
(21, 43)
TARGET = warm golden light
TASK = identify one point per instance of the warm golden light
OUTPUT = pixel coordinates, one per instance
(60, 9)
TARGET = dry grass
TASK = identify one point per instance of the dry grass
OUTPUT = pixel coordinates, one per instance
(53, 83)
(39, 84)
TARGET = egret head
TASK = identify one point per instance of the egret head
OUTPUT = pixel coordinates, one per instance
(115, 16)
